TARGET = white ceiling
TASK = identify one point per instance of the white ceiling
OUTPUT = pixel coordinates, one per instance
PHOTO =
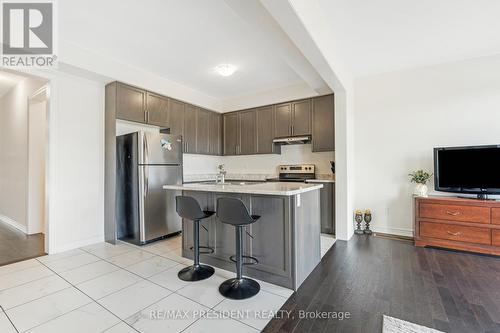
(7, 81)
(179, 40)
(386, 35)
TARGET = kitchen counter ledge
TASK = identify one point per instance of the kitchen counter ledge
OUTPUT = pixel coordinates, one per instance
(271, 188)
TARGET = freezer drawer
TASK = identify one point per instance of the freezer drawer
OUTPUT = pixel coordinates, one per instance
(157, 206)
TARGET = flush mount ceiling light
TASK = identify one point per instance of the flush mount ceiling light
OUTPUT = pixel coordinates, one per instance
(225, 69)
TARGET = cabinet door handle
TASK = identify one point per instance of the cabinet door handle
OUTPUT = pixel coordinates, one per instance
(454, 233)
(452, 213)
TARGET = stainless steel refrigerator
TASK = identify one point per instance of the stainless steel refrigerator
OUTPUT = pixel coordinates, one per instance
(146, 162)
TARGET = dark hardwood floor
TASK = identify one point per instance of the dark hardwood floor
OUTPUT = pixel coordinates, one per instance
(371, 276)
(16, 246)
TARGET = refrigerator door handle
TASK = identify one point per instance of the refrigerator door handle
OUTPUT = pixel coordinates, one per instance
(146, 180)
(146, 150)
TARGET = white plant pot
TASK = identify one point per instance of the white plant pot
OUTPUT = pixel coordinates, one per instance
(421, 190)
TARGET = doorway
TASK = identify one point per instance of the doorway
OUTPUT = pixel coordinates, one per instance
(23, 160)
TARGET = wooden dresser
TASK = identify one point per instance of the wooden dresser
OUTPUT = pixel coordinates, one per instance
(458, 223)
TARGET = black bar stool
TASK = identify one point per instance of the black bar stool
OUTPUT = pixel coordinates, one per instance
(188, 208)
(233, 211)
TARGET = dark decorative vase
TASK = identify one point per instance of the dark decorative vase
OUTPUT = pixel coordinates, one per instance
(358, 217)
(368, 219)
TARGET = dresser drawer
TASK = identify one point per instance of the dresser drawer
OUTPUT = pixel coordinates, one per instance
(495, 241)
(455, 213)
(455, 232)
(495, 215)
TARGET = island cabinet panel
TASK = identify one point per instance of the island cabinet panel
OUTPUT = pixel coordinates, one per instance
(301, 117)
(190, 129)
(130, 103)
(157, 110)
(176, 117)
(306, 233)
(202, 132)
(265, 131)
(323, 123)
(271, 235)
(247, 133)
(230, 134)
(284, 221)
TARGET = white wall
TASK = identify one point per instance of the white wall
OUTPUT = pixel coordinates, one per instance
(259, 164)
(399, 118)
(37, 155)
(76, 162)
(14, 153)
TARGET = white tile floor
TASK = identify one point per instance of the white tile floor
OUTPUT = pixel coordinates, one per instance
(123, 288)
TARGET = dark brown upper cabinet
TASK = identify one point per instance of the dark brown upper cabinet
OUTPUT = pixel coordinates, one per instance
(283, 120)
(301, 117)
(215, 133)
(230, 133)
(247, 132)
(190, 112)
(323, 123)
(130, 103)
(293, 118)
(203, 131)
(157, 110)
(265, 131)
(176, 117)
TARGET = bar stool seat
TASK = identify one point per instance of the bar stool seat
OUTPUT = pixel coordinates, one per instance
(189, 209)
(233, 211)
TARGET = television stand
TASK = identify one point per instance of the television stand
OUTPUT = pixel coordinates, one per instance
(460, 224)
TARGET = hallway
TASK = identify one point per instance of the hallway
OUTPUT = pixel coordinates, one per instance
(16, 246)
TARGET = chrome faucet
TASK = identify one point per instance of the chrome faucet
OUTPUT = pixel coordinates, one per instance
(221, 176)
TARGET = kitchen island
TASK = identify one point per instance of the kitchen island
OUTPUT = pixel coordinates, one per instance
(285, 240)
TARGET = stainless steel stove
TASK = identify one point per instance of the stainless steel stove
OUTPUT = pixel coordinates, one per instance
(295, 173)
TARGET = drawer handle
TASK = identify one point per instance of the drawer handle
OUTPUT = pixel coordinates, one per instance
(452, 213)
(454, 233)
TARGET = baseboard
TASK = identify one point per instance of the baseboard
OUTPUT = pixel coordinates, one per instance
(13, 223)
(75, 245)
(393, 231)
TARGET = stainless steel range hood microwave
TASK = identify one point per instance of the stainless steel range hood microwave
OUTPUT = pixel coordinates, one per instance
(293, 140)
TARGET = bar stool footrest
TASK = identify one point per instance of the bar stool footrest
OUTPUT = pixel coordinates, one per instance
(250, 260)
(209, 250)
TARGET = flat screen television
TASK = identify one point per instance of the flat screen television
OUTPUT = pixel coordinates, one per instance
(470, 170)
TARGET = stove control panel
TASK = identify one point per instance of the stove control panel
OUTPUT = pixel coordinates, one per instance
(299, 168)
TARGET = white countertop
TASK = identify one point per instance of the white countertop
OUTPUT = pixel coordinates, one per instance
(272, 188)
(322, 179)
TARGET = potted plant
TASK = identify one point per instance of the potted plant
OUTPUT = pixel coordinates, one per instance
(420, 178)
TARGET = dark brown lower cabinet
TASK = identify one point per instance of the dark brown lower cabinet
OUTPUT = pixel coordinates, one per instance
(327, 201)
